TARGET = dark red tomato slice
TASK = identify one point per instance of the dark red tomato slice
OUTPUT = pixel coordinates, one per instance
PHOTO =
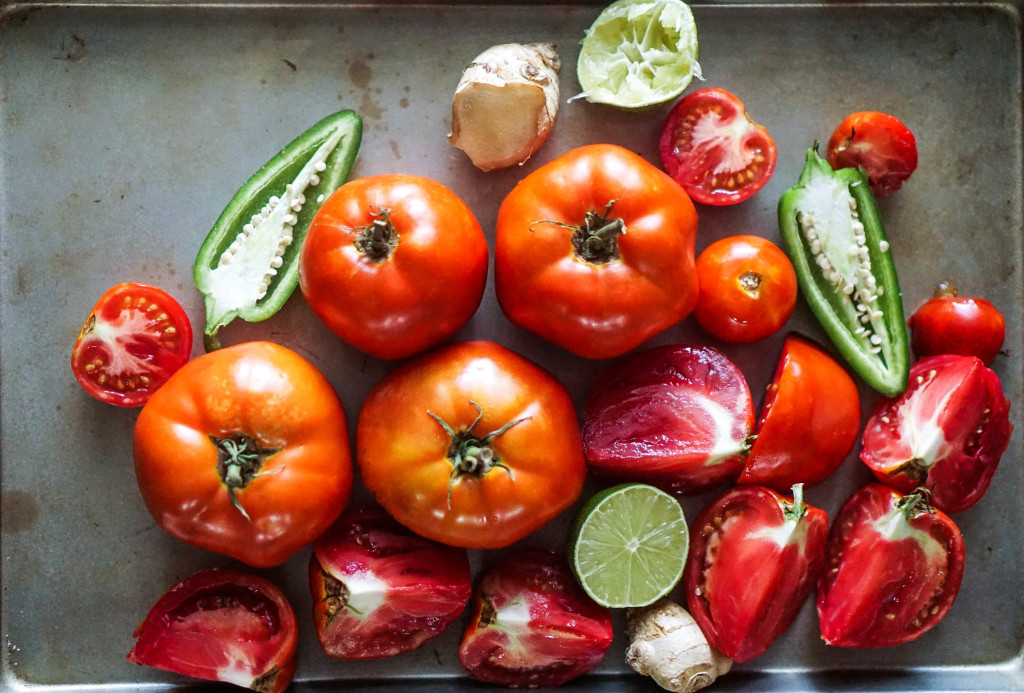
(878, 143)
(949, 323)
(222, 625)
(712, 148)
(755, 556)
(531, 625)
(380, 590)
(809, 419)
(946, 432)
(677, 417)
(133, 340)
(893, 569)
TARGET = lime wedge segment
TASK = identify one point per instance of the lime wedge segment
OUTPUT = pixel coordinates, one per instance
(628, 545)
(638, 53)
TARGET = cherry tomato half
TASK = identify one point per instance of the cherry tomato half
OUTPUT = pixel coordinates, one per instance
(878, 143)
(135, 337)
(951, 324)
(714, 150)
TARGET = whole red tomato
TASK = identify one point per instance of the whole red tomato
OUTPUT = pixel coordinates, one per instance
(755, 556)
(880, 144)
(893, 569)
(471, 445)
(747, 289)
(394, 264)
(809, 419)
(245, 451)
(222, 625)
(949, 323)
(594, 252)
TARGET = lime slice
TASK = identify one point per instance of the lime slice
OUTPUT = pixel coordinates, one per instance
(638, 53)
(628, 545)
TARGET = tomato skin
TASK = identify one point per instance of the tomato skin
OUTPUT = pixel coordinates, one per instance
(951, 324)
(592, 308)
(403, 450)
(751, 566)
(809, 419)
(747, 289)
(135, 337)
(278, 400)
(711, 147)
(222, 625)
(877, 590)
(430, 283)
(880, 144)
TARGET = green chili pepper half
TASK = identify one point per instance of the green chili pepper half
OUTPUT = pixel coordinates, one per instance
(834, 235)
(248, 265)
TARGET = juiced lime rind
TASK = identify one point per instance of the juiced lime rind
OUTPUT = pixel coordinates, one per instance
(639, 53)
(628, 545)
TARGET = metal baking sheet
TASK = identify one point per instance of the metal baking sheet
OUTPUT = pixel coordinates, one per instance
(125, 128)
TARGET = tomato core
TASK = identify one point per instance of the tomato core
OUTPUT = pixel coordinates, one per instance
(377, 241)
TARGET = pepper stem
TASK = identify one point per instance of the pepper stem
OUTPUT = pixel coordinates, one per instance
(377, 241)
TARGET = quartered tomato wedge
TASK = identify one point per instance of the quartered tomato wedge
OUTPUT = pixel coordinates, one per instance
(222, 625)
(946, 432)
(755, 556)
(893, 569)
(135, 338)
(380, 590)
(710, 145)
(677, 417)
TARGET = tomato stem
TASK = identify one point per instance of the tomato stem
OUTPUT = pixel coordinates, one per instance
(915, 503)
(596, 240)
(798, 509)
(239, 461)
(377, 241)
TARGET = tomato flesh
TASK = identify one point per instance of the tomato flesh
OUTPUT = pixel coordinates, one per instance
(880, 144)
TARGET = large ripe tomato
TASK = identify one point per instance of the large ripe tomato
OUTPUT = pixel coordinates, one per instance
(880, 144)
(471, 445)
(394, 264)
(809, 419)
(893, 569)
(949, 323)
(594, 252)
(135, 337)
(677, 417)
(755, 556)
(747, 288)
(710, 145)
(946, 432)
(222, 625)
(245, 451)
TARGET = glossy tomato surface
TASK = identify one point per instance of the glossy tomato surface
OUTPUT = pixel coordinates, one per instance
(949, 323)
(747, 288)
(809, 419)
(893, 569)
(244, 451)
(531, 625)
(471, 445)
(379, 590)
(394, 264)
(711, 146)
(674, 416)
(222, 625)
(946, 432)
(135, 338)
(880, 144)
(594, 252)
(755, 556)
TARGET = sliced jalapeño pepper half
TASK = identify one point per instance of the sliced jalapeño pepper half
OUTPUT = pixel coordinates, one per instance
(248, 265)
(834, 235)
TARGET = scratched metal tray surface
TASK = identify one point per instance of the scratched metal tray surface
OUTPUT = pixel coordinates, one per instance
(125, 128)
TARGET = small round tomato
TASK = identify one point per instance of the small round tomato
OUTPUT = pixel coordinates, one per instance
(393, 264)
(222, 625)
(748, 289)
(951, 324)
(878, 143)
(471, 445)
(135, 337)
(594, 252)
(710, 145)
(245, 451)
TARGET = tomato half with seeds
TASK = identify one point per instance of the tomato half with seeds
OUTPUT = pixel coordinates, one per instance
(893, 569)
(880, 144)
(471, 445)
(948, 323)
(135, 337)
(222, 625)
(711, 147)
(245, 451)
